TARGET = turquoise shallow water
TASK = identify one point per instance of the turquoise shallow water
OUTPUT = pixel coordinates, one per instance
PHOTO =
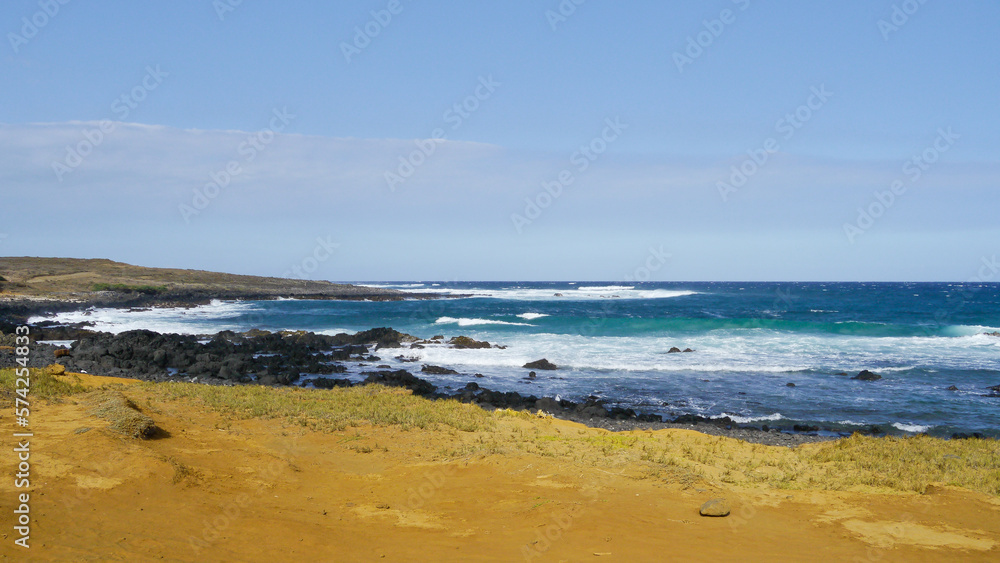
(751, 340)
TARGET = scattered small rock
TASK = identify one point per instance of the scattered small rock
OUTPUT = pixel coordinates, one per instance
(789, 384)
(716, 507)
(953, 388)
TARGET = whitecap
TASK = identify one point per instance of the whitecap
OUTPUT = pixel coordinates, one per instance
(474, 322)
(577, 294)
(532, 316)
(203, 319)
(915, 428)
(748, 419)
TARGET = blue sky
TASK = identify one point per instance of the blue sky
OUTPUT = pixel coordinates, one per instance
(512, 140)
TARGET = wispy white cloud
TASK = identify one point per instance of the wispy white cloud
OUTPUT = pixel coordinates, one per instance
(298, 187)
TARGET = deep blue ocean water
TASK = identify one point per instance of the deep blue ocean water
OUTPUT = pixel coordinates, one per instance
(751, 340)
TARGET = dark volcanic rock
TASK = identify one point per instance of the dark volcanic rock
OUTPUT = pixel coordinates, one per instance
(466, 342)
(383, 337)
(437, 370)
(540, 364)
(866, 375)
(674, 350)
(400, 378)
(328, 383)
(964, 436)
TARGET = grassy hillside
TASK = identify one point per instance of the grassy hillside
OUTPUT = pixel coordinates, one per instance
(73, 278)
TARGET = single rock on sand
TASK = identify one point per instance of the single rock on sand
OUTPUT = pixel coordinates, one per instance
(866, 375)
(715, 507)
(540, 364)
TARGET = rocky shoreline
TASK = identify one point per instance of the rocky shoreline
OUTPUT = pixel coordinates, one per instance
(281, 359)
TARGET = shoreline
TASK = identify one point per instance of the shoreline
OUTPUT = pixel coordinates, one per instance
(227, 359)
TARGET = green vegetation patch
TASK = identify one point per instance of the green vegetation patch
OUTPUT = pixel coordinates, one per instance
(122, 414)
(330, 409)
(43, 384)
(125, 288)
(910, 464)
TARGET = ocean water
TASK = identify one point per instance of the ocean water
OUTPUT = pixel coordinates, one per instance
(750, 341)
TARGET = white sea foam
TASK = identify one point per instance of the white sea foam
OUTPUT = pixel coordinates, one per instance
(967, 330)
(915, 428)
(748, 419)
(335, 331)
(850, 423)
(475, 322)
(532, 316)
(60, 343)
(581, 293)
(203, 319)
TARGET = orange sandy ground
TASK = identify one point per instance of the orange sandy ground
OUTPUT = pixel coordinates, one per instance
(218, 489)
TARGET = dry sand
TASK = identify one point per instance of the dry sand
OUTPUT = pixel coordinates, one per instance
(215, 488)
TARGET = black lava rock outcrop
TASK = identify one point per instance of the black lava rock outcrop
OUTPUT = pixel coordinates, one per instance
(866, 375)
